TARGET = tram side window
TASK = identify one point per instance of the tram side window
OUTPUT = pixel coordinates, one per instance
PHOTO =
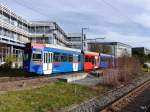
(75, 59)
(64, 57)
(79, 58)
(108, 59)
(70, 58)
(103, 59)
(86, 58)
(93, 60)
(56, 57)
(36, 56)
(89, 59)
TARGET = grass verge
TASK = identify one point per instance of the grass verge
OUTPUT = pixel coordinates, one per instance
(44, 99)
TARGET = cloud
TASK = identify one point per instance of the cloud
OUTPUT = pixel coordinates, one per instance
(143, 19)
(128, 39)
(125, 19)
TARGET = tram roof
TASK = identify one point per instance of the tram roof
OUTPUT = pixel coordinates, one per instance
(56, 46)
(89, 52)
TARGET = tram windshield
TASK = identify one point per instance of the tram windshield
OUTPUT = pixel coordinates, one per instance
(36, 56)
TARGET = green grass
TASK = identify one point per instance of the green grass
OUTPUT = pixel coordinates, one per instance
(49, 97)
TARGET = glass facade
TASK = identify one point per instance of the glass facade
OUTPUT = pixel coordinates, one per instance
(75, 40)
(47, 32)
(13, 29)
(39, 29)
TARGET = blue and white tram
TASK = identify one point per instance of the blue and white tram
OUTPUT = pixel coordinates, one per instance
(48, 59)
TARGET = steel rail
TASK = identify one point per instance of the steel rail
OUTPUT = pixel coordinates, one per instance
(126, 98)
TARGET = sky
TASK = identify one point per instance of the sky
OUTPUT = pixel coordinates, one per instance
(126, 21)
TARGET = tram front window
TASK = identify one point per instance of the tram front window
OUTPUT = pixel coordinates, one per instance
(36, 56)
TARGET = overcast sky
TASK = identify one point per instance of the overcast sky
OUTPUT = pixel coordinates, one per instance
(118, 20)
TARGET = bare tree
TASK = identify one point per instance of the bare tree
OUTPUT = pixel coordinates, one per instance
(127, 68)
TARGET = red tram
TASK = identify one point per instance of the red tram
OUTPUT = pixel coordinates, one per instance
(91, 60)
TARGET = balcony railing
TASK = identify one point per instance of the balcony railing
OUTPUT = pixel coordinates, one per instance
(8, 40)
(14, 28)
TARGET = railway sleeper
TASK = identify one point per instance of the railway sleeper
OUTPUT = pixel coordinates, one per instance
(116, 106)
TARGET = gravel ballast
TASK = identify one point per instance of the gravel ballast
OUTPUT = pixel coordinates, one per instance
(97, 103)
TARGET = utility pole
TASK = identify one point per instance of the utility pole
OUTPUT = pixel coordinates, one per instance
(83, 39)
(82, 49)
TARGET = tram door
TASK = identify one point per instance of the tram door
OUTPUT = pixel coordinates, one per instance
(75, 62)
(48, 59)
(96, 62)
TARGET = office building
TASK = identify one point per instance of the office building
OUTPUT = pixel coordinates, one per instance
(75, 40)
(116, 49)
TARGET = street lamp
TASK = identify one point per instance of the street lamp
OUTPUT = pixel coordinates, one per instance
(83, 37)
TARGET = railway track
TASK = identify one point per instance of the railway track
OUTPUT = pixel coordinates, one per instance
(51, 77)
(54, 76)
(122, 101)
(148, 109)
(14, 83)
(12, 79)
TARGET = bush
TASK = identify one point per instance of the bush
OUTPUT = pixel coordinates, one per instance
(127, 68)
(130, 65)
(9, 59)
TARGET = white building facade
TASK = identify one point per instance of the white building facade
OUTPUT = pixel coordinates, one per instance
(75, 40)
(48, 33)
(13, 35)
(121, 49)
(117, 49)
